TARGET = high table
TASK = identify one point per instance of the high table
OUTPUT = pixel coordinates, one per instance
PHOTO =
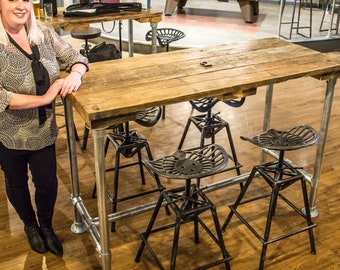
(144, 16)
(113, 91)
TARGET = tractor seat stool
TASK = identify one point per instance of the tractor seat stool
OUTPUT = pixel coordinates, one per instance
(128, 144)
(209, 124)
(165, 36)
(187, 202)
(279, 175)
(86, 34)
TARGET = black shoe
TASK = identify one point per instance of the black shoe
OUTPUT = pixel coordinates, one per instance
(52, 242)
(35, 239)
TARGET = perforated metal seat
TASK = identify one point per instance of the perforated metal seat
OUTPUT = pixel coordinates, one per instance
(129, 143)
(279, 175)
(287, 140)
(165, 36)
(187, 202)
(209, 124)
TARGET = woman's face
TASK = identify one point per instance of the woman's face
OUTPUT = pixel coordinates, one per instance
(14, 13)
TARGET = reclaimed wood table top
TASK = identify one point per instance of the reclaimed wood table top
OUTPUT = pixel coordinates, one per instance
(71, 23)
(112, 91)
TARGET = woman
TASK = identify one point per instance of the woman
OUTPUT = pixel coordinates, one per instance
(31, 55)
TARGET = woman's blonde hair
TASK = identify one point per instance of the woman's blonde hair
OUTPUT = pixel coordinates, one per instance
(35, 34)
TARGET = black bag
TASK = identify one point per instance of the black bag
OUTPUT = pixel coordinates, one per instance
(93, 9)
(103, 52)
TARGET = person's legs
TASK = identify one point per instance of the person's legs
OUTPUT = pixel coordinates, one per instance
(42, 165)
(14, 164)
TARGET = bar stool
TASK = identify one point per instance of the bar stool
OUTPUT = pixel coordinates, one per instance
(331, 8)
(165, 36)
(129, 143)
(295, 22)
(187, 202)
(86, 34)
(209, 124)
(279, 175)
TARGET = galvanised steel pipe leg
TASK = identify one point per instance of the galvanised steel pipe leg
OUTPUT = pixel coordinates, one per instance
(99, 157)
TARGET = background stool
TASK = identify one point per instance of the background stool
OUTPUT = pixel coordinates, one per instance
(210, 124)
(187, 202)
(295, 22)
(86, 34)
(165, 36)
(279, 175)
(331, 8)
(128, 143)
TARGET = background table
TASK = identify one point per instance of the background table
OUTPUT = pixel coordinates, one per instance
(172, 77)
(144, 16)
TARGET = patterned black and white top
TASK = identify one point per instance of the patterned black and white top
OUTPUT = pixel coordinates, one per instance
(20, 129)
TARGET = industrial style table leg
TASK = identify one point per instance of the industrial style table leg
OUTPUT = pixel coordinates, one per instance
(105, 252)
(78, 225)
(154, 37)
(315, 181)
(131, 45)
(83, 221)
(153, 42)
(267, 114)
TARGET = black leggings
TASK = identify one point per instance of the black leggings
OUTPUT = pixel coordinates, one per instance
(42, 164)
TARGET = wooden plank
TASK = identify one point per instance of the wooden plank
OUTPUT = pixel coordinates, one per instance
(67, 23)
(119, 88)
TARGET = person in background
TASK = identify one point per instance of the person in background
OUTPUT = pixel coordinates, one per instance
(31, 56)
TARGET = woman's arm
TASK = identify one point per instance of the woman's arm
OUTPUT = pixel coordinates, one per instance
(22, 101)
(73, 80)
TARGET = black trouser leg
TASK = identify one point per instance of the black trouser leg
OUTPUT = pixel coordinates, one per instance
(42, 164)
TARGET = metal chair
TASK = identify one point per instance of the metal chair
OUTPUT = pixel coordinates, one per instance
(330, 9)
(129, 143)
(165, 36)
(189, 201)
(86, 34)
(209, 124)
(279, 175)
(295, 22)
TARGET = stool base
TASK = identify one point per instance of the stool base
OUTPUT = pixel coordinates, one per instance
(209, 125)
(127, 143)
(287, 176)
(187, 203)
